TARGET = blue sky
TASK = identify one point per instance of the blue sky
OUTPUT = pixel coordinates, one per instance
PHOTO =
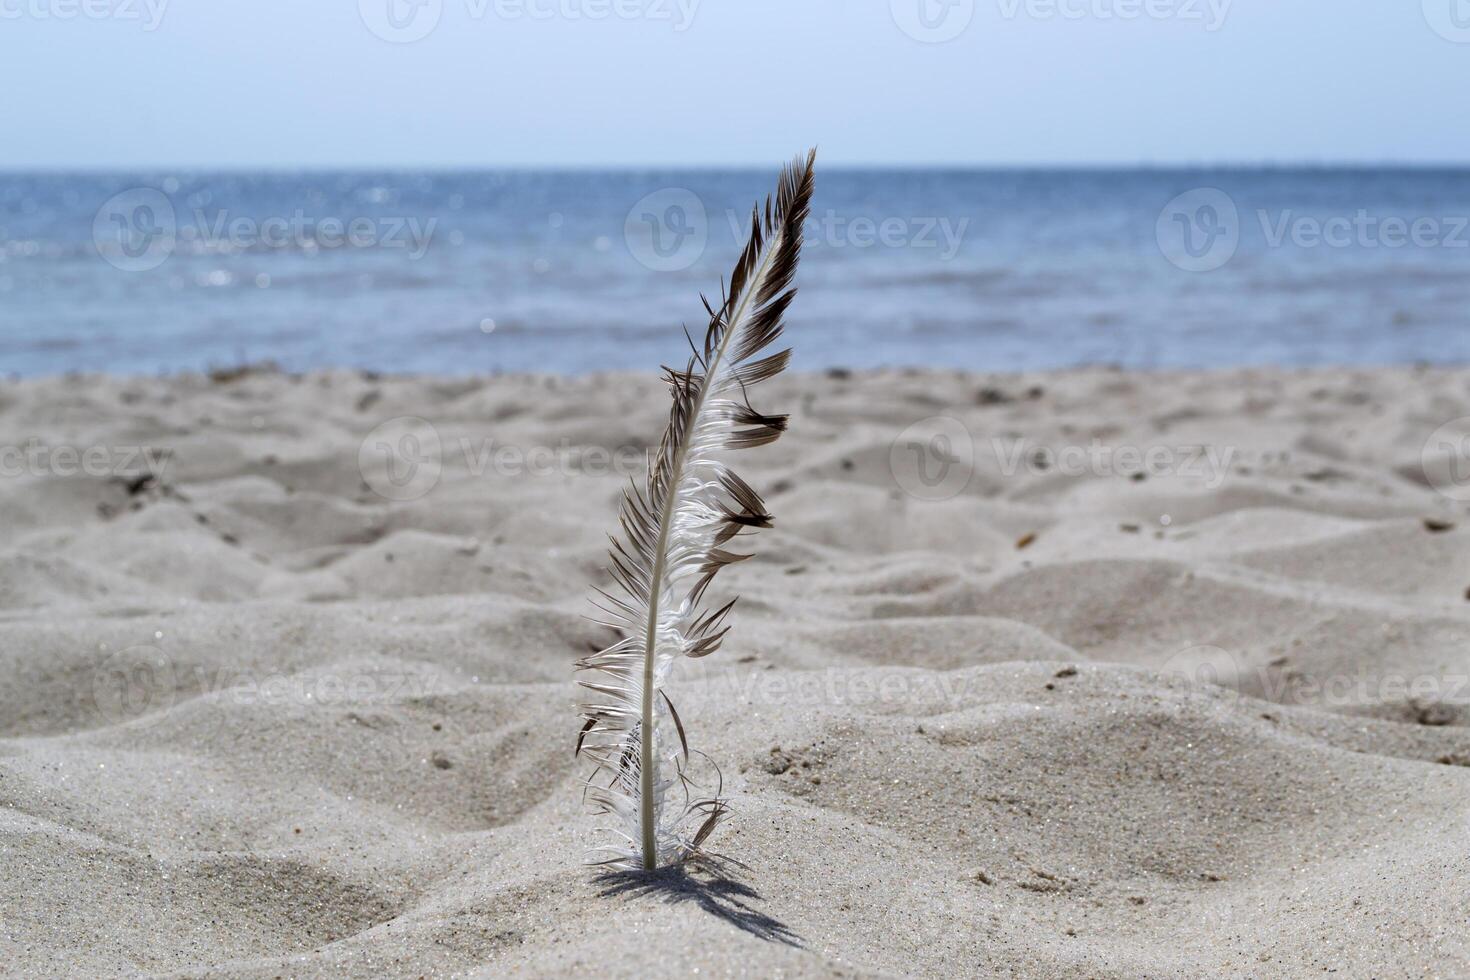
(292, 83)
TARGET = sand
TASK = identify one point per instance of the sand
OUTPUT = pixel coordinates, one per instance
(984, 712)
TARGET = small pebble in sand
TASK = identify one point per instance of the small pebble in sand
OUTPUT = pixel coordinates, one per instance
(992, 396)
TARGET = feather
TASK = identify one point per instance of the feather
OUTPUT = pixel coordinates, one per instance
(673, 531)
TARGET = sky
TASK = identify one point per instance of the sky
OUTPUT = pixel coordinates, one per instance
(119, 84)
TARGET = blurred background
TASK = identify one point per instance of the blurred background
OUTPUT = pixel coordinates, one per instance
(462, 186)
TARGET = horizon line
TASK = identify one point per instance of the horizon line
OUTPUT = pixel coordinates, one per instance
(564, 167)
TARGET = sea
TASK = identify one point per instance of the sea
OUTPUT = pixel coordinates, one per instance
(577, 271)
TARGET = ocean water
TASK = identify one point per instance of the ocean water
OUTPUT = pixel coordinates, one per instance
(579, 271)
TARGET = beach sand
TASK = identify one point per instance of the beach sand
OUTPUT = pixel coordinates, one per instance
(993, 703)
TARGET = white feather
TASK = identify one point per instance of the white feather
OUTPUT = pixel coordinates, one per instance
(673, 533)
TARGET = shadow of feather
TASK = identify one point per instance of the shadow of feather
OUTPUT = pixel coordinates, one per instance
(712, 889)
